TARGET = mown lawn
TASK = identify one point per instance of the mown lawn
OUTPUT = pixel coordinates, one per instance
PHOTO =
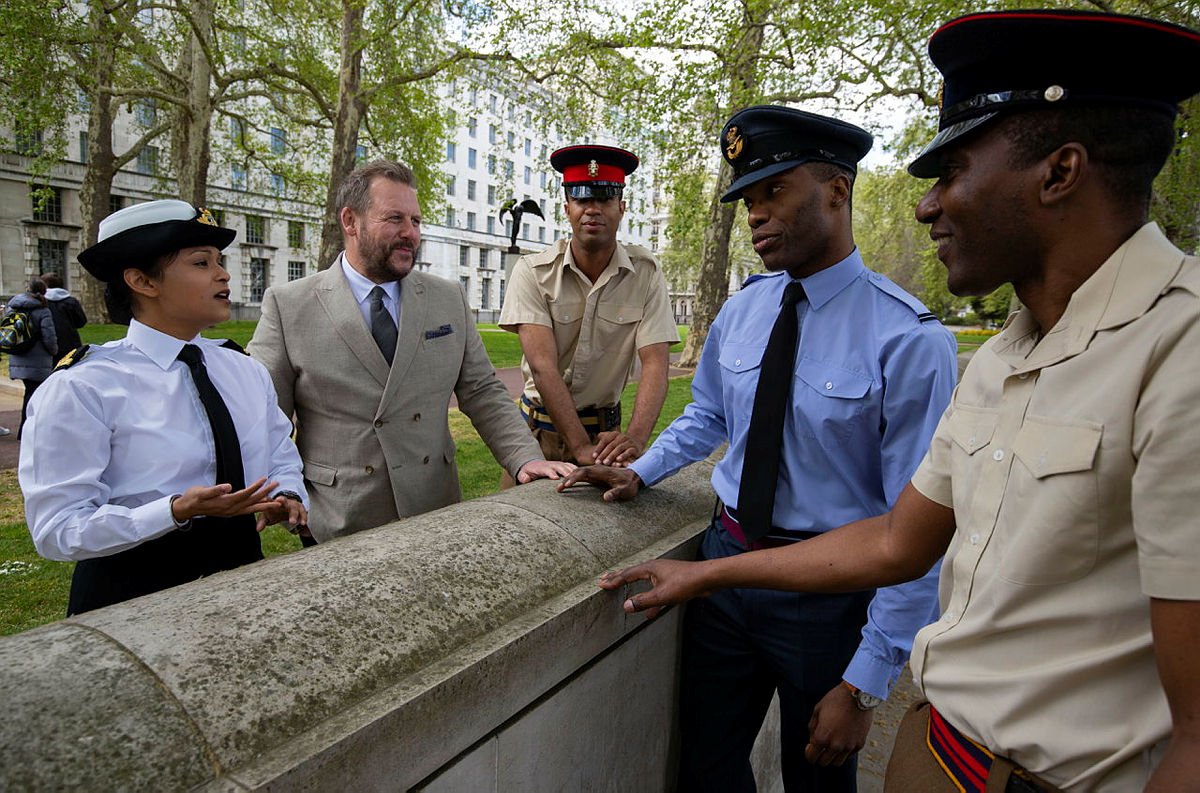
(33, 590)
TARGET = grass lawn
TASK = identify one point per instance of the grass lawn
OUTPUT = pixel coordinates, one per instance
(33, 590)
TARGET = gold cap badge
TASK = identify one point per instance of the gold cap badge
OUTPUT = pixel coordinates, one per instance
(593, 169)
(733, 143)
(205, 217)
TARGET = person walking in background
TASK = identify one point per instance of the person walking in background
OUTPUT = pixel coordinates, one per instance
(68, 315)
(35, 365)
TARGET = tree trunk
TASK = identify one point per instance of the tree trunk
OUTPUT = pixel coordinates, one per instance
(712, 286)
(713, 283)
(190, 127)
(351, 107)
(96, 189)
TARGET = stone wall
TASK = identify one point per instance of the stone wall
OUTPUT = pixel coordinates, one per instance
(464, 650)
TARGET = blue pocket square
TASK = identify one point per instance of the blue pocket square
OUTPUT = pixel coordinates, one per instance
(444, 330)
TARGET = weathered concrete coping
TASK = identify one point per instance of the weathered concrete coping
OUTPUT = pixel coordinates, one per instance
(418, 634)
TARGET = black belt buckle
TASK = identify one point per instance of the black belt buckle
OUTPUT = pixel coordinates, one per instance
(610, 418)
(1019, 784)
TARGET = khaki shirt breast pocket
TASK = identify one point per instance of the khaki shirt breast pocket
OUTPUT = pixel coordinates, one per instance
(1053, 534)
(616, 327)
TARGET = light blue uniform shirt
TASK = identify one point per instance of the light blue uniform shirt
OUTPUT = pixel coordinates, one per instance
(871, 381)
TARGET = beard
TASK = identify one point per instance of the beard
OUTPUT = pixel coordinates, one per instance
(375, 255)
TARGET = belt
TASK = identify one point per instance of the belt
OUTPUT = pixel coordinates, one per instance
(775, 538)
(593, 419)
(967, 762)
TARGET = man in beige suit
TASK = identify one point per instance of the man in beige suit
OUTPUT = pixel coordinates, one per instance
(366, 355)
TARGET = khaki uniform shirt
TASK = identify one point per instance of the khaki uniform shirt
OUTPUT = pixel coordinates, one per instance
(598, 328)
(1071, 465)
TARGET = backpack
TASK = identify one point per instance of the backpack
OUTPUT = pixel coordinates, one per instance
(18, 332)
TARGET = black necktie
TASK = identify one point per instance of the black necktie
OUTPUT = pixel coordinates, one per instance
(229, 451)
(383, 328)
(764, 442)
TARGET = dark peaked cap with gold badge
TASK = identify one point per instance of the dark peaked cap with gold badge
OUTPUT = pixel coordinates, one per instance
(1006, 61)
(139, 234)
(594, 171)
(764, 140)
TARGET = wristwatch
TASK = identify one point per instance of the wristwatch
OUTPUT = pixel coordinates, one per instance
(862, 699)
(294, 528)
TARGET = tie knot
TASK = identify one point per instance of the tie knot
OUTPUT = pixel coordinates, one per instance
(190, 354)
(793, 294)
(377, 294)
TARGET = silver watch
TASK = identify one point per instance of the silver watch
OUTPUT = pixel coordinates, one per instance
(862, 699)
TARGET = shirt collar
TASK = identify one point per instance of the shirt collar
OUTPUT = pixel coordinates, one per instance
(823, 286)
(361, 286)
(620, 261)
(1124, 288)
(159, 347)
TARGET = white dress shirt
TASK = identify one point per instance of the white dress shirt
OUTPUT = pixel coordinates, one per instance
(361, 286)
(110, 440)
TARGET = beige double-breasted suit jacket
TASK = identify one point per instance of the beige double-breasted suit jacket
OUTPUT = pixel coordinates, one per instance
(375, 440)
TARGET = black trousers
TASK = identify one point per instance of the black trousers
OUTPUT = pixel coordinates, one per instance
(740, 646)
(30, 387)
(210, 545)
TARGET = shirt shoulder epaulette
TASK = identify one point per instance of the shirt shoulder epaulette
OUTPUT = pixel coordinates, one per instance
(73, 357)
(230, 344)
(1188, 277)
(639, 255)
(756, 277)
(889, 287)
(548, 256)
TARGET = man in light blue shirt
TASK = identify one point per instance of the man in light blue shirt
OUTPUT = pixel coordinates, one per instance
(870, 376)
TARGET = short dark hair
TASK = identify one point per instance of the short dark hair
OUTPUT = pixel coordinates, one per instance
(118, 297)
(1131, 144)
(52, 280)
(354, 192)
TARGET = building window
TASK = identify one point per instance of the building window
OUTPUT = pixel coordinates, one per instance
(146, 112)
(471, 189)
(470, 221)
(472, 126)
(147, 160)
(492, 102)
(491, 225)
(83, 147)
(491, 163)
(52, 257)
(451, 151)
(237, 177)
(28, 143)
(256, 229)
(541, 234)
(295, 234)
(524, 231)
(295, 271)
(85, 102)
(450, 217)
(450, 186)
(237, 132)
(503, 286)
(474, 97)
(464, 256)
(278, 184)
(492, 195)
(471, 153)
(219, 217)
(258, 279)
(116, 202)
(512, 140)
(528, 174)
(484, 256)
(485, 293)
(508, 168)
(360, 153)
(278, 140)
(556, 235)
(508, 228)
(465, 282)
(49, 208)
(528, 147)
(543, 180)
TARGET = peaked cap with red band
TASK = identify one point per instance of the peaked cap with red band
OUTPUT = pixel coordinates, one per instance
(602, 167)
(1008, 61)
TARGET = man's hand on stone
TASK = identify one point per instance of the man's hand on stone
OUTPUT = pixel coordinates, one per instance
(622, 483)
(616, 448)
(543, 469)
(673, 582)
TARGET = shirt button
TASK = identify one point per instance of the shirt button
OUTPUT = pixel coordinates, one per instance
(369, 469)
(949, 616)
(426, 460)
(1023, 376)
(738, 362)
(974, 539)
(972, 441)
(378, 422)
(416, 417)
(998, 455)
(829, 386)
(566, 316)
(620, 319)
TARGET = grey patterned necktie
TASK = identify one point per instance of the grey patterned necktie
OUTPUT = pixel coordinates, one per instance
(383, 327)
